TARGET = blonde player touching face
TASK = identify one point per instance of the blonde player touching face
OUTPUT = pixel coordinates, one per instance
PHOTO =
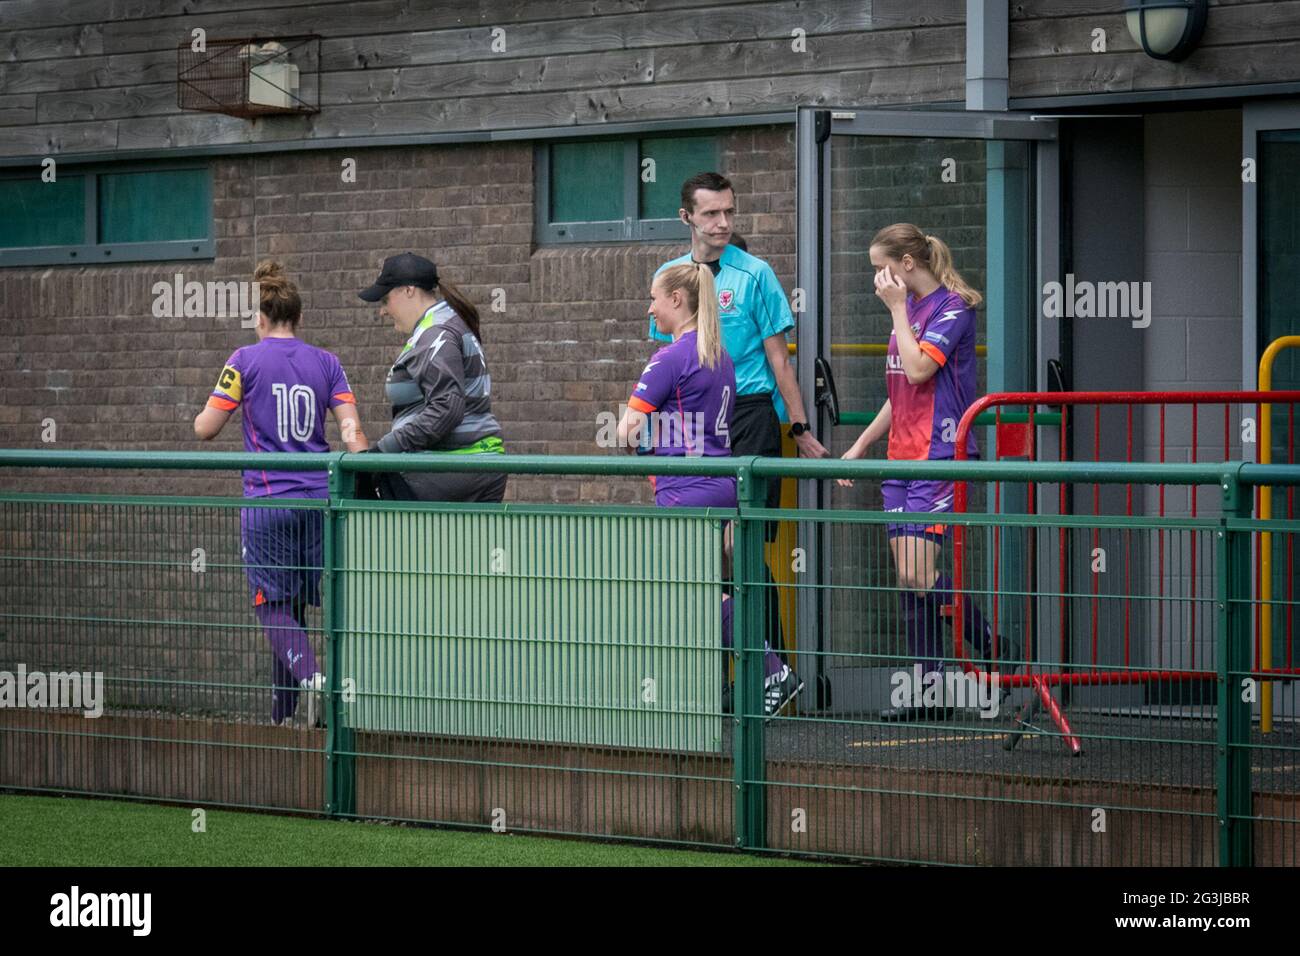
(930, 378)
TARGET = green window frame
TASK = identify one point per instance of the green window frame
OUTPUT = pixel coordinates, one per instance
(596, 190)
(110, 212)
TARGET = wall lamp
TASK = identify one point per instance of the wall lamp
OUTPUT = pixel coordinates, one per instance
(1167, 29)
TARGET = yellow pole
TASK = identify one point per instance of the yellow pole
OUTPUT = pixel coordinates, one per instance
(1266, 537)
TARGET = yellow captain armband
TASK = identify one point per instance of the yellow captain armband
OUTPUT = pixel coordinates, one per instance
(229, 384)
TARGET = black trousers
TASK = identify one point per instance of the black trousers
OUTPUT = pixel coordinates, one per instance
(431, 486)
(456, 485)
(755, 430)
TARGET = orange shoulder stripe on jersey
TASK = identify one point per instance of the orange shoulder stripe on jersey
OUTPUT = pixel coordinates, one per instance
(346, 397)
(640, 405)
(225, 404)
(933, 351)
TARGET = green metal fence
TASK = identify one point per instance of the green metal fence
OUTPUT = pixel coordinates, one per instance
(558, 669)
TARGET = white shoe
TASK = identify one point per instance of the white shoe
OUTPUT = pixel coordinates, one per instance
(314, 701)
(779, 690)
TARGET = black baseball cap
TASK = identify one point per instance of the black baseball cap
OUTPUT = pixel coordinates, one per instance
(404, 269)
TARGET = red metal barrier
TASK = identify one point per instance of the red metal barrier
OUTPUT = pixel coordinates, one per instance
(1020, 440)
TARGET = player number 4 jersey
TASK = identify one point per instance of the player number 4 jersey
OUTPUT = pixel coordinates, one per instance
(690, 405)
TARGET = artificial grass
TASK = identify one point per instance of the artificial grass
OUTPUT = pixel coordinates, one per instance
(61, 831)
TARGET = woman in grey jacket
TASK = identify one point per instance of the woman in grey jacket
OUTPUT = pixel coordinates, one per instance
(439, 386)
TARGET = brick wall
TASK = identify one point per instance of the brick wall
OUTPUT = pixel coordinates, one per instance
(83, 349)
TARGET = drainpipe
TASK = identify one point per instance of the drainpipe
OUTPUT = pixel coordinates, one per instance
(986, 54)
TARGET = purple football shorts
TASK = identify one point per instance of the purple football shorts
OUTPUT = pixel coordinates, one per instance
(688, 491)
(922, 497)
(282, 553)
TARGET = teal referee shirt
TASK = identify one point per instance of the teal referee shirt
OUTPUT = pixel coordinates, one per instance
(751, 307)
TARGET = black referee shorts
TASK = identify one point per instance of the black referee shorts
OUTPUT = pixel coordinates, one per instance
(755, 430)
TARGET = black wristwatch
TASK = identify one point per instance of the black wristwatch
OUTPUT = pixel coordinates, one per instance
(798, 428)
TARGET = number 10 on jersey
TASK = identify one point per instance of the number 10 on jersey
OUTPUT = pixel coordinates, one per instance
(295, 411)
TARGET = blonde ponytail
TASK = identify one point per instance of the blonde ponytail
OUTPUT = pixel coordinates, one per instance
(696, 281)
(942, 266)
(708, 330)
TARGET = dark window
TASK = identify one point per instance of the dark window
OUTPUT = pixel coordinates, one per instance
(43, 214)
(617, 189)
(675, 159)
(587, 182)
(106, 214)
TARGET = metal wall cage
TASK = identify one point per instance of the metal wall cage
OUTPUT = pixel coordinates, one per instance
(250, 77)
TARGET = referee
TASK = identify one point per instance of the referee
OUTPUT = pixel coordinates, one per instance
(755, 317)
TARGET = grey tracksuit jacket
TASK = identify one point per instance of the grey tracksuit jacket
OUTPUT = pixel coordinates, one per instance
(439, 388)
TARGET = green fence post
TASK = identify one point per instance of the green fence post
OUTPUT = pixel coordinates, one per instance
(340, 764)
(747, 646)
(1232, 768)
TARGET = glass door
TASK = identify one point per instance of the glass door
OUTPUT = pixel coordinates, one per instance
(1271, 220)
(987, 185)
(1271, 305)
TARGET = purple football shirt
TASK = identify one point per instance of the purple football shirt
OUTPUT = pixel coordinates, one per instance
(690, 410)
(925, 417)
(285, 388)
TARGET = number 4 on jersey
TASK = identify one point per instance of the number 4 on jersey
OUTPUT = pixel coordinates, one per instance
(720, 426)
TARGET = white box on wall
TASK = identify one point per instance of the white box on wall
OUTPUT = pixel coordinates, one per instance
(273, 84)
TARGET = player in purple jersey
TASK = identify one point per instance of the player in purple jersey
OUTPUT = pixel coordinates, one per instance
(284, 387)
(685, 398)
(930, 378)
